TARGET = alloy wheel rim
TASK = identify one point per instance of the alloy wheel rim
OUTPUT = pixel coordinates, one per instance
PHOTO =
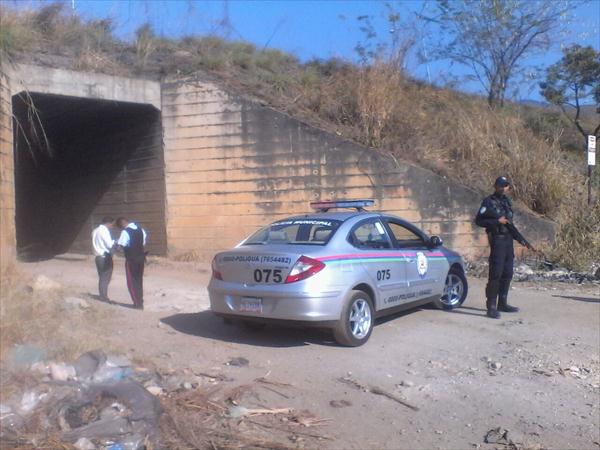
(453, 290)
(360, 318)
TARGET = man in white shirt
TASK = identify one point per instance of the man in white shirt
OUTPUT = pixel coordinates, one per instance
(103, 243)
(133, 241)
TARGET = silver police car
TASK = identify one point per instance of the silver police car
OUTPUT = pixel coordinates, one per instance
(337, 270)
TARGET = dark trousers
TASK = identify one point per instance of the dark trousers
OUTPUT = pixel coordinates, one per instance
(134, 271)
(104, 265)
(502, 256)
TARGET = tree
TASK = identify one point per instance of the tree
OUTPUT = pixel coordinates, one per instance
(572, 81)
(492, 37)
(393, 47)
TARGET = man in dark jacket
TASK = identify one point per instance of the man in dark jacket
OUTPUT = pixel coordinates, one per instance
(496, 215)
(132, 241)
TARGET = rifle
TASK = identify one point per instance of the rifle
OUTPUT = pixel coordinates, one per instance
(519, 237)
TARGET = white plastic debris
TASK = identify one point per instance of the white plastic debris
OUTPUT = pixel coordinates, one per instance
(75, 302)
(62, 372)
(29, 401)
(84, 444)
(157, 391)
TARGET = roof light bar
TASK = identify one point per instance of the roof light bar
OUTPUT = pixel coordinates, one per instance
(326, 205)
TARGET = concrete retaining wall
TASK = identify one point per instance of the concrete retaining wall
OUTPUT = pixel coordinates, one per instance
(233, 166)
(7, 183)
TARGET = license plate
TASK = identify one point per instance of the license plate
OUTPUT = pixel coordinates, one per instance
(251, 304)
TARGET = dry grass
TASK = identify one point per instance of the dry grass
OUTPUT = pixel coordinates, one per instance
(199, 420)
(41, 319)
(578, 238)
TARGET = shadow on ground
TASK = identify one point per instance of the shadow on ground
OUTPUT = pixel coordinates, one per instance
(208, 325)
(96, 297)
(579, 299)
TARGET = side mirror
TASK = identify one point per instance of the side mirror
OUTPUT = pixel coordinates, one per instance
(435, 241)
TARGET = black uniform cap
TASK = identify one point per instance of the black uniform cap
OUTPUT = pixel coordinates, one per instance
(502, 182)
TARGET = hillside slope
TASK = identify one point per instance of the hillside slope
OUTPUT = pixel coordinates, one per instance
(456, 135)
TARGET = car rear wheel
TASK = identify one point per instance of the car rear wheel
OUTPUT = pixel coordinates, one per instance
(455, 290)
(356, 323)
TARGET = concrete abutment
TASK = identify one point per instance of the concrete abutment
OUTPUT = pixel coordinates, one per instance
(197, 166)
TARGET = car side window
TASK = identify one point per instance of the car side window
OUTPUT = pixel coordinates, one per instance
(405, 237)
(370, 234)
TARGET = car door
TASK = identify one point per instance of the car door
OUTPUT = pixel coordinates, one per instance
(385, 267)
(423, 266)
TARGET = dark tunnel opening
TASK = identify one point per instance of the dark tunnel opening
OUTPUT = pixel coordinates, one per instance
(78, 160)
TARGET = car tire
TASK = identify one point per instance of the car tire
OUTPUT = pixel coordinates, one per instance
(455, 290)
(356, 323)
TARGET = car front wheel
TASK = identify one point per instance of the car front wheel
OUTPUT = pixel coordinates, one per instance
(356, 323)
(455, 290)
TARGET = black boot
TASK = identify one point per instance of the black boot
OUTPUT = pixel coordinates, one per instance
(492, 312)
(505, 307)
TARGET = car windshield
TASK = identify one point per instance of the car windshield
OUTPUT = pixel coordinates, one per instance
(296, 232)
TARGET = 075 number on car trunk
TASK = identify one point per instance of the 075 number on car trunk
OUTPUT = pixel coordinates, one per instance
(266, 275)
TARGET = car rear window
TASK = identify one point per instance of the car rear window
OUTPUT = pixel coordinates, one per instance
(296, 232)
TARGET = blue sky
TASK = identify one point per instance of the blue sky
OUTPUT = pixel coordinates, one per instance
(305, 28)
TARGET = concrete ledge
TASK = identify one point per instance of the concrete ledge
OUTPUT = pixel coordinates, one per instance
(45, 80)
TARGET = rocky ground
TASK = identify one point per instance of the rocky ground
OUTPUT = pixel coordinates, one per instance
(426, 379)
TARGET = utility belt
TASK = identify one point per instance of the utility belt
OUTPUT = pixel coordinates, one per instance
(494, 236)
(499, 235)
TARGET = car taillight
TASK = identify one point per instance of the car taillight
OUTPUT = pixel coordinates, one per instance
(215, 273)
(305, 267)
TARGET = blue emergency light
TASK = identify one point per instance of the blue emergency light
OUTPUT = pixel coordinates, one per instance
(359, 205)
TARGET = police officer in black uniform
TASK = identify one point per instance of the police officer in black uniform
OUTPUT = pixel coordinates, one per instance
(496, 215)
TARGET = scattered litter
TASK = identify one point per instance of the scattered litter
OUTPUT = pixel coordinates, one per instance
(377, 391)
(29, 401)
(40, 367)
(155, 390)
(575, 372)
(87, 364)
(76, 302)
(542, 372)
(62, 371)
(25, 355)
(239, 361)
(110, 374)
(340, 403)
(236, 411)
(309, 421)
(406, 383)
(10, 424)
(266, 384)
(498, 435)
(84, 444)
(213, 377)
(114, 360)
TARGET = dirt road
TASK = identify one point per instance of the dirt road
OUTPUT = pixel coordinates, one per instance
(535, 373)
